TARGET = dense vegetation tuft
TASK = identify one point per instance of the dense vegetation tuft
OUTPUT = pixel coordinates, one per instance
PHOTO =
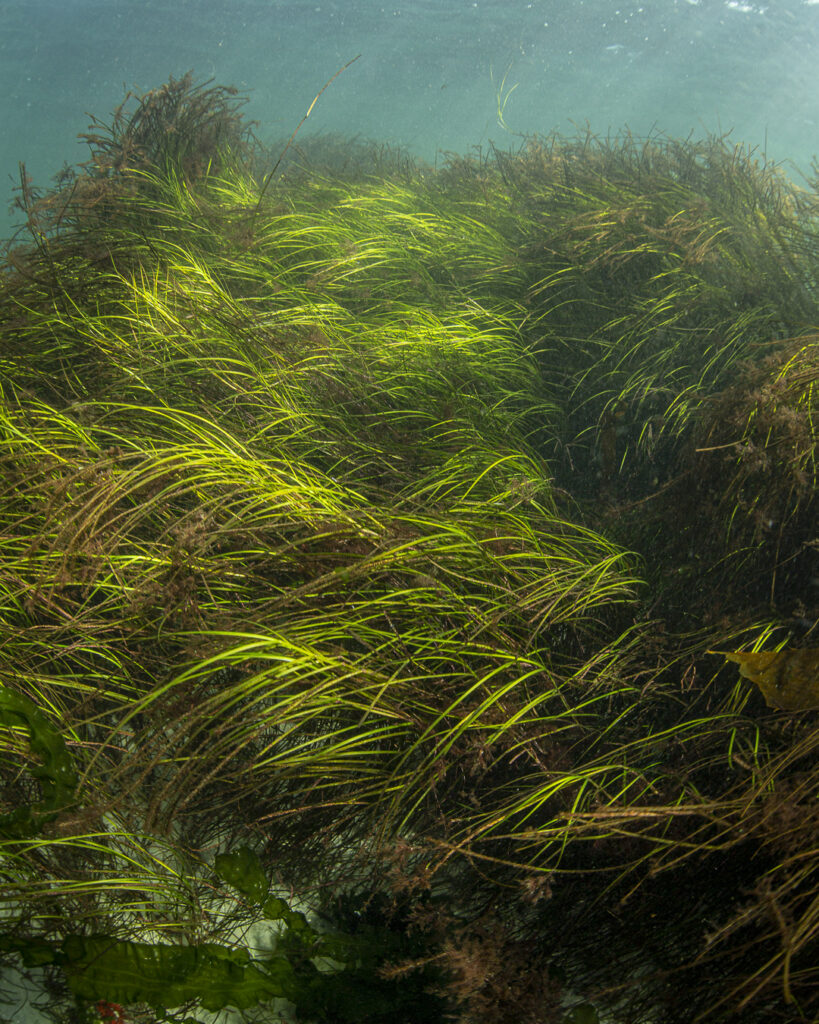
(365, 534)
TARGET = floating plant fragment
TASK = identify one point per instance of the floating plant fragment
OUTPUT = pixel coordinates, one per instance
(788, 679)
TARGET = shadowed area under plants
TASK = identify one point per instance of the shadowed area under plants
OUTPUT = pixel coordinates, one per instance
(367, 529)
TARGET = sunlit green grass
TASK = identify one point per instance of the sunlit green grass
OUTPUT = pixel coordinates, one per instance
(316, 517)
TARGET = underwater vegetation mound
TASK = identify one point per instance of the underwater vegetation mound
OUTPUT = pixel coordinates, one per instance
(367, 533)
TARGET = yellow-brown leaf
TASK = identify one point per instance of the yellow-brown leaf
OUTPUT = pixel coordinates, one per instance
(788, 679)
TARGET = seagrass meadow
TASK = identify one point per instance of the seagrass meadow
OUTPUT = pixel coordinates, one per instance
(367, 532)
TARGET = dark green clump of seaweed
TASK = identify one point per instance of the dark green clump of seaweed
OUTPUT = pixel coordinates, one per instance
(366, 531)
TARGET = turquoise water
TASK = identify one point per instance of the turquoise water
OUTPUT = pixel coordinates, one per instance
(432, 73)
